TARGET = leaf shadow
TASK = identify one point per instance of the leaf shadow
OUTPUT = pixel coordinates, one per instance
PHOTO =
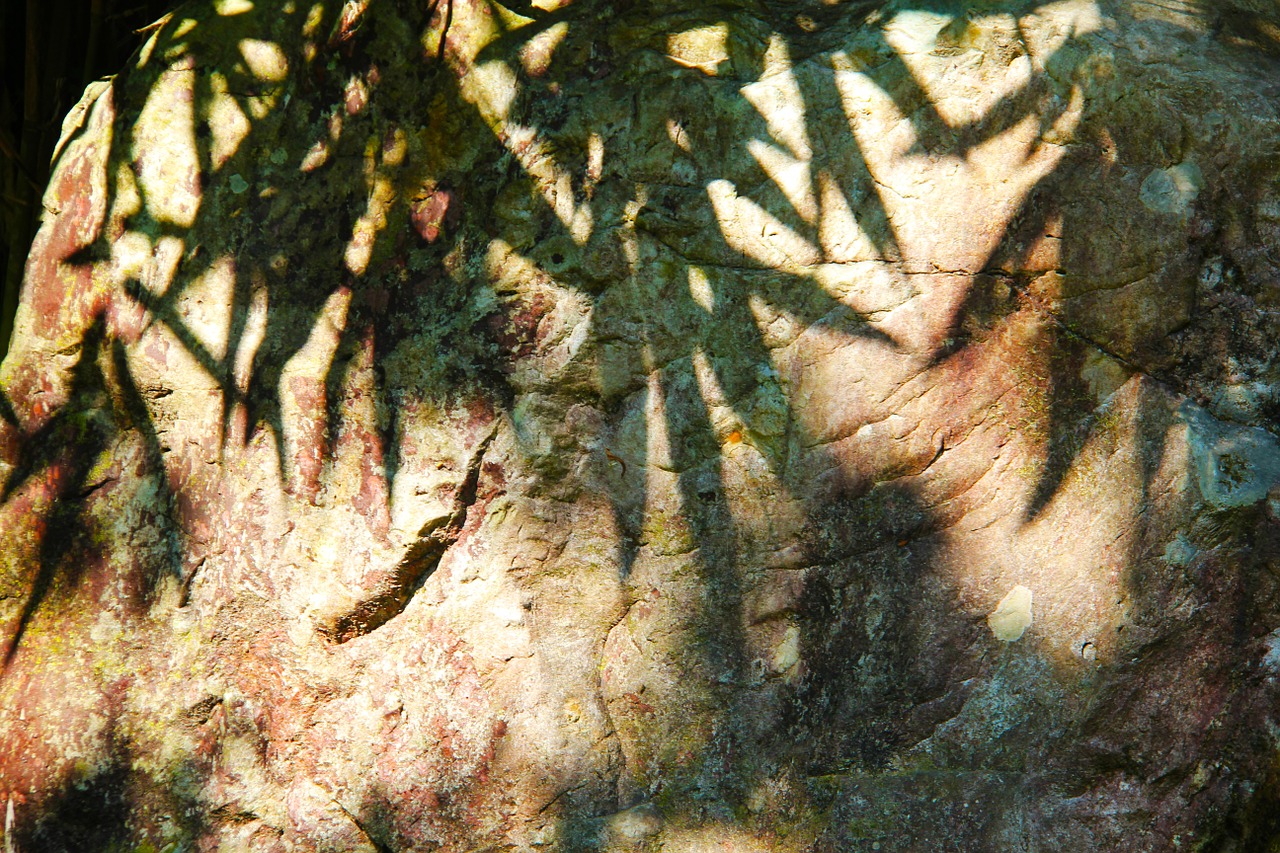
(678, 338)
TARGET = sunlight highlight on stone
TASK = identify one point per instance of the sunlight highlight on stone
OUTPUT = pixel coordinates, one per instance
(1012, 616)
(396, 148)
(841, 237)
(303, 377)
(700, 289)
(130, 255)
(255, 330)
(227, 8)
(314, 357)
(716, 837)
(316, 157)
(355, 95)
(510, 271)
(595, 161)
(265, 59)
(723, 420)
(364, 234)
(658, 440)
(492, 87)
(678, 135)
(315, 15)
(702, 48)
(209, 305)
(950, 210)
(1103, 375)
(987, 49)
(164, 263)
(873, 290)
(1172, 190)
(554, 183)
(260, 106)
(778, 100)
(168, 174)
(777, 57)
(778, 328)
(1071, 18)
(787, 653)
(758, 234)
(791, 175)
(538, 52)
(228, 125)
(912, 31)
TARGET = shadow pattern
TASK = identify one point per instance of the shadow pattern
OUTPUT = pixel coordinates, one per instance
(289, 104)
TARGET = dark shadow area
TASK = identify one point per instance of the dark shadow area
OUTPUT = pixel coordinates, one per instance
(91, 814)
(65, 451)
(60, 468)
(49, 52)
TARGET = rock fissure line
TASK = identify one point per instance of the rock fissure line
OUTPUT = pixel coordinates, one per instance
(377, 845)
(419, 561)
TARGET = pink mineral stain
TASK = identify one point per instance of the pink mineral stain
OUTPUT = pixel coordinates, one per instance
(431, 214)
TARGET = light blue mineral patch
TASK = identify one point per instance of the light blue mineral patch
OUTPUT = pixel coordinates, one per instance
(1172, 190)
(1271, 661)
(1235, 465)
(1179, 552)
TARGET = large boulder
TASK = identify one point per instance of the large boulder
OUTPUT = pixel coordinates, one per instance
(760, 426)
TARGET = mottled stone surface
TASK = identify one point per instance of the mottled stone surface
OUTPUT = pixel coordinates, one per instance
(757, 426)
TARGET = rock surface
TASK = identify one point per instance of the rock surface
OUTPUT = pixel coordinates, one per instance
(757, 426)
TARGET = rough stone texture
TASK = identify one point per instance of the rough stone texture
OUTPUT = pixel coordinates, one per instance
(651, 426)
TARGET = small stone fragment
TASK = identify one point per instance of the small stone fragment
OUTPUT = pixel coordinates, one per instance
(1236, 465)
(787, 653)
(636, 823)
(1271, 661)
(1012, 616)
(1172, 190)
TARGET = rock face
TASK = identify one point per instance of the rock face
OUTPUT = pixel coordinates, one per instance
(762, 426)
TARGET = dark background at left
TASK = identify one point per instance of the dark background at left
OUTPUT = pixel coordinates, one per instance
(49, 51)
